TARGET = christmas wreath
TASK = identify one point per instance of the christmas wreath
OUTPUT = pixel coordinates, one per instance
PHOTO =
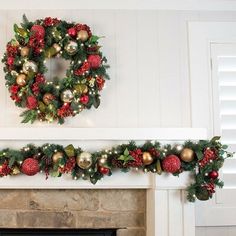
(203, 159)
(25, 59)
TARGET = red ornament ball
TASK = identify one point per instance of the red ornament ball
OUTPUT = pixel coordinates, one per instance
(10, 61)
(30, 166)
(104, 170)
(72, 31)
(171, 164)
(84, 99)
(94, 61)
(38, 31)
(213, 174)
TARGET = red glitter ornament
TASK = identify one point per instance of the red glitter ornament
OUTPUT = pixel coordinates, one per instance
(171, 164)
(94, 61)
(32, 102)
(30, 166)
(38, 31)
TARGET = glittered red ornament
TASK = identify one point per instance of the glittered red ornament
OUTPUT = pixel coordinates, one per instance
(31, 102)
(38, 31)
(104, 170)
(94, 61)
(30, 166)
(171, 164)
(72, 32)
(213, 174)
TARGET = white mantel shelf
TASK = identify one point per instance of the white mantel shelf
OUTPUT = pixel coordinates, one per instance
(168, 213)
(172, 134)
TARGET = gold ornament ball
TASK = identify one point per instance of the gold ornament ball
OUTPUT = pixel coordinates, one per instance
(187, 155)
(24, 52)
(82, 35)
(71, 47)
(147, 158)
(67, 96)
(84, 160)
(21, 80)
(30, 66)
(14, 73)
(57, 47)
(57, 156)
(47, 98)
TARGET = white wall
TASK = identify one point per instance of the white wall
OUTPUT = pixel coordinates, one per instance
(148, 54)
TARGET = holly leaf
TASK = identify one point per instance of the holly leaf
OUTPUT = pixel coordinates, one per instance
(126, 152)
(199, 154)
(12, 161)
(126, 157)
(216, 138)
(93, 39)
(96, 101)
(20, 31)
(70, 150)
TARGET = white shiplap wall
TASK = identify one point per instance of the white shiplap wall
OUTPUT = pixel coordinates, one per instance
(147, 68)
(148, 54)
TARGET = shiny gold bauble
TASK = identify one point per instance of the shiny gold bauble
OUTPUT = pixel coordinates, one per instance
(57, 156)
(67, 96)
(24, 52)
(21, 80)
(48, 98)
(147, 158)
(187, 155)
(14, 73)
(30, 66)
(84, 160)
(71, 47)
(82, 35)
(57, 47)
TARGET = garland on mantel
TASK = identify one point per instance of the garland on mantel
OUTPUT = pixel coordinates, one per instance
(203, 158)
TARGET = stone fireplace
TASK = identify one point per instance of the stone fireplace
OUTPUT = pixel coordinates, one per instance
(123, 210)
(136, 204)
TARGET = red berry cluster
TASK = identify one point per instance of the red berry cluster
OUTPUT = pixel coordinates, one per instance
(36, 41)
(36, 85)
(5, 169)
(210, 187)
(65, 110)
(208, 156)
(69, 166)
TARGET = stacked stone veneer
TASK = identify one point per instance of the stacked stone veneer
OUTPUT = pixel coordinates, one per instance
(122, 209)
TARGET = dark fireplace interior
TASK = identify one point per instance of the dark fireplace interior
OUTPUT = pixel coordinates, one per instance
(57, 232)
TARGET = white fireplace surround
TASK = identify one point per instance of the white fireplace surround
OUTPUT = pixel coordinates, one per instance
(168, 212)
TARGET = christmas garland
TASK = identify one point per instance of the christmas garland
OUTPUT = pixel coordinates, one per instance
(25, 60)
(203, 159)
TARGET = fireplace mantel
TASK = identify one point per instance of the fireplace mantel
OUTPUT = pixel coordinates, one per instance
(168, 213)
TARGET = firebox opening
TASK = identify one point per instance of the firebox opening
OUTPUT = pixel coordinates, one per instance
(58, 232)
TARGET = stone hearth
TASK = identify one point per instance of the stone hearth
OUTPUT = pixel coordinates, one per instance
(121, 209)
